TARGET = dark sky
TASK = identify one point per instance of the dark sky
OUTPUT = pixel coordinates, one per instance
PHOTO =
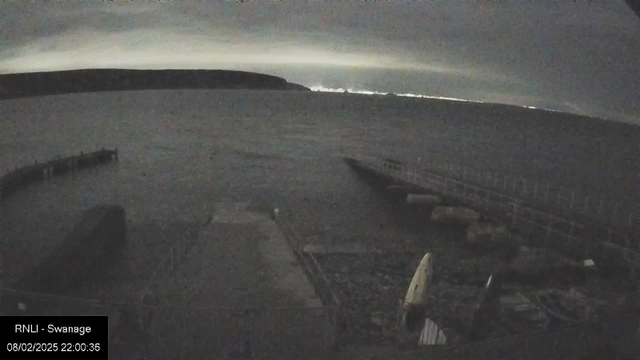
(578, 56)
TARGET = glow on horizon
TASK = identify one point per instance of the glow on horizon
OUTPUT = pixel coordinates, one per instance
(320, 88)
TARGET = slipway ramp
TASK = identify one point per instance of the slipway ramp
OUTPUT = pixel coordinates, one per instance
(240, 293)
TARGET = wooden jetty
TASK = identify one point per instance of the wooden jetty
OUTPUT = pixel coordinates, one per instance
(571, 234)
(22, 176)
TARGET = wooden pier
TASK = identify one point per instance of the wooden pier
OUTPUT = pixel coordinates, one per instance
(571, 234)
(20, 177)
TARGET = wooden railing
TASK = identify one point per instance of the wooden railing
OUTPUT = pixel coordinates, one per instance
(570, 233)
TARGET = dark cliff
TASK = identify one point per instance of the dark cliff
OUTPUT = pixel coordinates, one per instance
(93, 80)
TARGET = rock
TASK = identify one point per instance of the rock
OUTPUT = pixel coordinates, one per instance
(479, 234)
(518, 307)
(568, 306)
(376, 319)
(455, 215)
(544, 268)
(588, 263)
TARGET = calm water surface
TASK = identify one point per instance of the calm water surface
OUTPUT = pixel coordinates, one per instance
(183, 151)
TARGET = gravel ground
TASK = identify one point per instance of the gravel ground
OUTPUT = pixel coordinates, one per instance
(370, 287)
(371, 284)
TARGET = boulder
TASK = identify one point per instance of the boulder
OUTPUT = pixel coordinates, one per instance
(377, 320)
(454, 215)
(543, 267)
(520, 310)
(479, 234)
(566, 306)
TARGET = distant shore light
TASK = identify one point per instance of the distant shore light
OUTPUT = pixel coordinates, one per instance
(320, 88)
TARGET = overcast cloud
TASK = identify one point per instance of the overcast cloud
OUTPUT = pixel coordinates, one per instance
(572, 56)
